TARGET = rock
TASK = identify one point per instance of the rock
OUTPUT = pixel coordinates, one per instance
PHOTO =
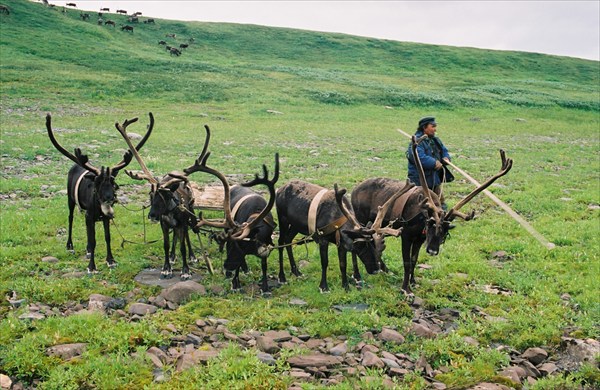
(158, 356)
(530, 369)
(391, 336)
(339, 349)
(422, 330)
(471, 341)
(297, 302)
(97, 302)
(547, 369)
(134, 136)
(141, 309)
(197, 356)
(489, 386)
(49, 259)
(116, 304)
(180, 292)
(299, 374)
(5, 382)
(535, 355)
(398, 371)
(275, 112)
(390, 363)
(266, 358)
(278, 335)
(267, 344)
(313, 343)
(370, 360)
(32, 315)
(66, 351)
(514, 373)
(314, 360)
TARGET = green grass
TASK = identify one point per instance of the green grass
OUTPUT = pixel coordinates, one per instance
(333, 91)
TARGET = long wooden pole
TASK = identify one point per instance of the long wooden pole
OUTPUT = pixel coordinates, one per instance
(537, 235)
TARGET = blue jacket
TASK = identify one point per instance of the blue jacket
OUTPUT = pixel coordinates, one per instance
(428, 156)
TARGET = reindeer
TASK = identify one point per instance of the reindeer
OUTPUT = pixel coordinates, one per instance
(133, 19)
(93, 190)
(162, 42)
(100, 22)
(419, 213)
(110, 22)
(84, 16)
(149, 21)
(170, 35)
(171, 204)
(121, 11)
(248, 224)
(104, 9)
(183, 46)
(126, 28)
(4, 9)
(327, 217)
(71, 5)
(175, 51)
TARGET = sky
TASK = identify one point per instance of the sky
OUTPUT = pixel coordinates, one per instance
(564, 28)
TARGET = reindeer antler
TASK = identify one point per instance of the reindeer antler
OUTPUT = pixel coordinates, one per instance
(122, 128)
(382, 211)
(339, 198)
(504, 169)
(128, 156)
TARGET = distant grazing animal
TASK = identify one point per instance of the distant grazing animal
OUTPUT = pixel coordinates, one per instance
(93, 190)
(137, 14)
(162, 42)
(149, 21)
(127, 28)
(4, 9)
(100, 22)
(110, 22)
(419, 214)
(175, 51)
(183, 46)
(133, 19)
(71, 5)
(122, 11)
(85, 16)
(170, 35)
(327, 217)
(105, 9)
(100, 14)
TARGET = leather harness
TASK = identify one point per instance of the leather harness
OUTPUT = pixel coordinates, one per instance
(330, 227)
(76, 191)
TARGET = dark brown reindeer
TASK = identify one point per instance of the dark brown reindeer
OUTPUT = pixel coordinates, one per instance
(171, 204)
(149, 21)
(4, 9)
(104, 9)
(126, 28)
(418, 213)
(248, 224)
(93, 190)
(110, 22)
(174, 51)
(121, 11)
(71, 5)
(84, 16)
(327, 217)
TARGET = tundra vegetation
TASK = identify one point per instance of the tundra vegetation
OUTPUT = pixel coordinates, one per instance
(330, 105)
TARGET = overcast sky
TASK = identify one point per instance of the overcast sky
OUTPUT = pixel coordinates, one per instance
(565, 28)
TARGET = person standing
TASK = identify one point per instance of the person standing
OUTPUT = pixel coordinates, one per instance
(433, 156)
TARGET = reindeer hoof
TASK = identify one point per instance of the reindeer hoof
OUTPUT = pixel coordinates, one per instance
(92, 271)
(324, 290)
(193, 259)
(111, 265)
(166, 275)
(71, 251)
(88, 255)
(266, 293)
(186, 276)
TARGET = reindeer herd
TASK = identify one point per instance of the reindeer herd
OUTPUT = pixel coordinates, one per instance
(378, 208)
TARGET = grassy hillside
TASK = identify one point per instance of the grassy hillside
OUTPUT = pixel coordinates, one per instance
(341, 99)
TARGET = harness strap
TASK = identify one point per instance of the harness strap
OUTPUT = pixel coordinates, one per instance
(77, 183)
(333, 226)
(312, 211)
(401, 202)
(239, 203)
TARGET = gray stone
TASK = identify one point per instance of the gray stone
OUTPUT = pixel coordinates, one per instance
(267, 344)
(181, 291)
(5, 382)
(49, 259)
(370, 360)
(314, 360)
(278, 335)
(157, 355)
(535, 355)
(530, 369)
(422, 330)
(390, 363)
(32, 315)
(297, 302)
(339, 349)
(266, 358)
(66, 351)
(547, 369)
(141, 309)
(489, 386)
(97, 302)
(391, 336)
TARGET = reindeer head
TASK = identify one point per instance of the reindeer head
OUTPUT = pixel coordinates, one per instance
(438, 221)
(105, 186)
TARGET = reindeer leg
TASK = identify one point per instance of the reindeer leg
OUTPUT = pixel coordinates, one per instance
(70, 233)
(90, 225)
(356, 271)
(110, 260)
(414, 256)
(185, 269)
(264, 283)
(235, 282)
(323, 287)
(166, 272)
(406, 255)
(193, 258)
(342, 256)
(173, 253)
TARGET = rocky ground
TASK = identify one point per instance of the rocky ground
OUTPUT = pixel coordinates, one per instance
(329, 360)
